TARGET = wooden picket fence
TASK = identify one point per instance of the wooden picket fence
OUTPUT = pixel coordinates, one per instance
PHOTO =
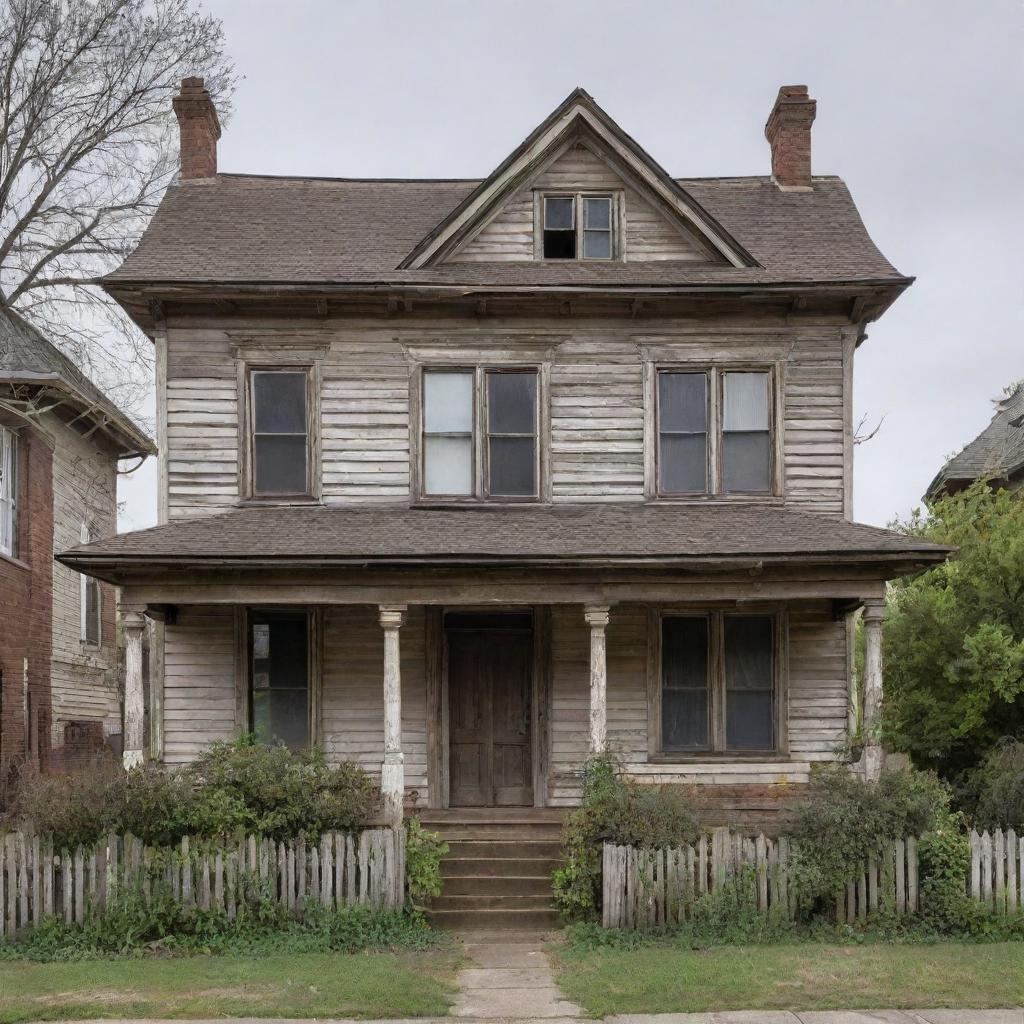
(997, 870)
(37, 881)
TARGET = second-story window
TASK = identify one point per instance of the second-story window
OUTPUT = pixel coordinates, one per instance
(8, 492)
(89, 598)
(279, 433)
(714, 432)
(479, 434)
(578, 226)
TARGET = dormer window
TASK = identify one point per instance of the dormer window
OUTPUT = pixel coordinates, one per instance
(578, 226)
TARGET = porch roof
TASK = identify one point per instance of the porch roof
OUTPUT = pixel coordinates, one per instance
(622, 534)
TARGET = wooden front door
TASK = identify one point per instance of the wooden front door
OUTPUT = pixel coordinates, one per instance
(490, 680)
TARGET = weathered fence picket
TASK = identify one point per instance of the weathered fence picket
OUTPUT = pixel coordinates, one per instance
(997, 870)
(37, 881)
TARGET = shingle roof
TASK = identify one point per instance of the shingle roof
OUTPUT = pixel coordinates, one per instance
(997, 453)
(493, 534)
(250, 229)
(27, 357)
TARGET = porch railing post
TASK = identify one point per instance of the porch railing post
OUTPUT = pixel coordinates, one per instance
(392, 776)
(597, 618)
(874, 613)
(134, 625)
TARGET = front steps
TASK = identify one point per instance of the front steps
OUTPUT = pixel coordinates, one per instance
(497, 873)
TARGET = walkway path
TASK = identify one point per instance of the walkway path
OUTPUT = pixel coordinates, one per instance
(509, 977)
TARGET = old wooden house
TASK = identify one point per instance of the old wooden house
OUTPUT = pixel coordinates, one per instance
(466, 479)
(60, 442)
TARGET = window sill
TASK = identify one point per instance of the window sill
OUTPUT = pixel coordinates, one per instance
(14, 560)
(283, 500)
(717, 499)
(474, 502)
(721, 757)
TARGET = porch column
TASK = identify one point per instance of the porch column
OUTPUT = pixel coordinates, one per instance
(392, 776)
(597, 618)
(134, 625)
(874, 613)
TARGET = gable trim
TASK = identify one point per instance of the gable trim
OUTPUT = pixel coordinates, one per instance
(579, 113)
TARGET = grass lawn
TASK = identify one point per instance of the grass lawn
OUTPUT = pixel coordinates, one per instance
(288, 985)
(805, 976)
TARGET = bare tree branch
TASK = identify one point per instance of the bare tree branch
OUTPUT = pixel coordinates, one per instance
(859, 435)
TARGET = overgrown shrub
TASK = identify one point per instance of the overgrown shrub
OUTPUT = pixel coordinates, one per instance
(424, 851)
(613, 810)
(845, 820)
(232, 787)
(995, 790)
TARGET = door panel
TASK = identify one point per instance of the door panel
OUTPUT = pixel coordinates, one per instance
(490, 679)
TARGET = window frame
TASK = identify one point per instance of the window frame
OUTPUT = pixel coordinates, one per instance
(615, 217)
(10, 506)
(84, 584)
(715, 373)
(479, 447)
(717, 692)
(247, 447)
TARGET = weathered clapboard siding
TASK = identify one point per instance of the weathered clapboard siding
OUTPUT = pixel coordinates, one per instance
(352, 701)
(509, 235)
(83, 676)
(199, 681)
(815, 717)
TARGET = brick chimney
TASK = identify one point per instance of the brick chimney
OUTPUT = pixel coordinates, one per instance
(199, 128)
(788, 130)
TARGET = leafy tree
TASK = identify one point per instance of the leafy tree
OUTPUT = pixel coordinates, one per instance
(87, 147)
(954, 635)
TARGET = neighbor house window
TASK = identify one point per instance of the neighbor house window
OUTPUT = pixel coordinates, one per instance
(8, 492)
(714, 432)
(89, 598)
(280, 457)
(279, 677)
(578, 226)
(718, 683)
(480, 434)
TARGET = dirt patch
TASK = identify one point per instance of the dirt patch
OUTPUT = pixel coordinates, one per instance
(119, 997)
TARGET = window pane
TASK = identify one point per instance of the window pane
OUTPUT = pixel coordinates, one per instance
(683, 402)
(92, 612)
(512, 463)
(684, 719)
(448, 402)
(746, 462)
(749, 720)
(597, 245)
(560, 213)
(512, 403)
(279, 403)
(684, 681)
(748, 652)
(559, 245)
(683, 463)
(280, 679)
(448, 465)
(280, 464)
(281, 716)
(597, 213)
(746, 401)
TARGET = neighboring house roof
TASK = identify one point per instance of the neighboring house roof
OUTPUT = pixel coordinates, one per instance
(27, 357)
(563, 534)
(996, 454)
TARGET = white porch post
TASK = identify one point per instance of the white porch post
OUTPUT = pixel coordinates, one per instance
(392, 776)
(874, 613)
(134, 625)
(597, 618)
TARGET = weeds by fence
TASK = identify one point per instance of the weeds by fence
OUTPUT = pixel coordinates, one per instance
(37, 881)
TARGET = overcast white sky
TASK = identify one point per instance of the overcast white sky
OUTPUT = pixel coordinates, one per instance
(920, 110)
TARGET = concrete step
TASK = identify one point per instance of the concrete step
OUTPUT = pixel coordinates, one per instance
(498, 867)
(504, 849)
(450, 831)
(505, 885)
(495, 920)
(492, 903)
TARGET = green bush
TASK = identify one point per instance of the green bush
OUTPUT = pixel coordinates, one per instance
(231, 788)
(995, 790)
(613, 810)
(424, 851)
(845, 820)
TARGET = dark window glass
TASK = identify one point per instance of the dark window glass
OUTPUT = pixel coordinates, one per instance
(559, 228)
(746, 433)
(92, 611)
(280, 678)
(684, 683)
(280, 440)
(512, 434)
(682, 433)
(749, 682)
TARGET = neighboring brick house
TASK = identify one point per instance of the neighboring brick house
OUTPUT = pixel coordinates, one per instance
(60, 442)
(995, 455)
